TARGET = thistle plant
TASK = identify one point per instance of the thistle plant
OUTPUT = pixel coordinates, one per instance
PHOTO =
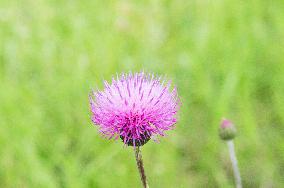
(227, 132)
(135, 108)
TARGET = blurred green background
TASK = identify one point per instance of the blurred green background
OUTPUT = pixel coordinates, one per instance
(225, 56)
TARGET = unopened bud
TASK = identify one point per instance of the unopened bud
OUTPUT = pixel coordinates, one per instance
(227, 130)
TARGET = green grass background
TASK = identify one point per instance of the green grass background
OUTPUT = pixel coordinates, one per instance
(225, 56)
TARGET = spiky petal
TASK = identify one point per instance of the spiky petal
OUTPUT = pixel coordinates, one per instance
(135, 107)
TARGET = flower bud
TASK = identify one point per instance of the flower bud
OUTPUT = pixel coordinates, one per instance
(227, 130)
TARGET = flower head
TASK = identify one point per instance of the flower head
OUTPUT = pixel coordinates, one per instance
(227, 130)
(135, 107)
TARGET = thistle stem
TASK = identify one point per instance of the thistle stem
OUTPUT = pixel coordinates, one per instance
(140, 166)
(234, 164)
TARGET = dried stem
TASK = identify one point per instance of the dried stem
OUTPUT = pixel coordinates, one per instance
(140, 166)
(234, 163)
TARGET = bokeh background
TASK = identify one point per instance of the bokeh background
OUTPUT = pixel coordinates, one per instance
(225, 56)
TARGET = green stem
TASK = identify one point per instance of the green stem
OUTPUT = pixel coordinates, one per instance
(234, 164)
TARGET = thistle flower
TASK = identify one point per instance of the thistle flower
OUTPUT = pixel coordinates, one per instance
(227, 130)
(135, 107)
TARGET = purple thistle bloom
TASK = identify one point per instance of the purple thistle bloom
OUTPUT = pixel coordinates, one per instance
(135, 107)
